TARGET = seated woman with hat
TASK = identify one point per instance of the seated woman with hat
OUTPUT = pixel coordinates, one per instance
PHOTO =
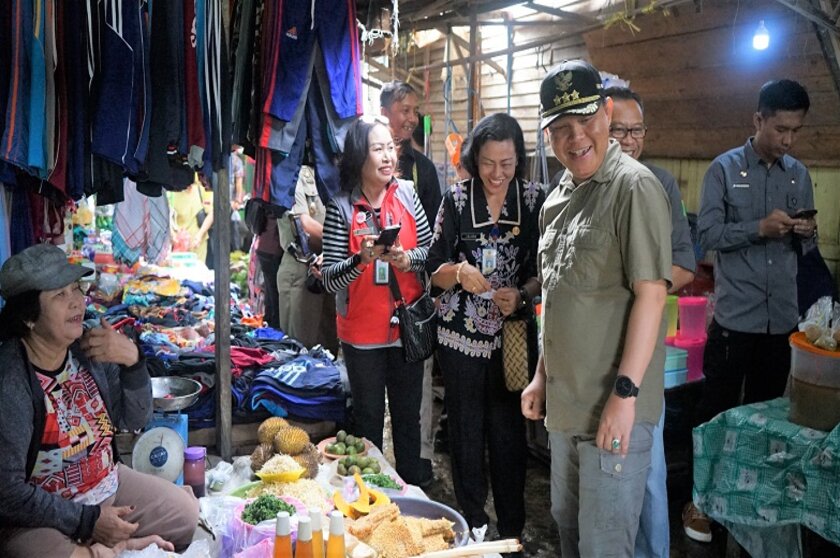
(64, 394)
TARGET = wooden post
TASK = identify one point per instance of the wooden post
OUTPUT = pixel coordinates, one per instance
(472, 79)
(221, 290)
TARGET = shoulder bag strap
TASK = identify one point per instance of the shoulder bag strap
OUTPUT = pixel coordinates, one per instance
(394, 286)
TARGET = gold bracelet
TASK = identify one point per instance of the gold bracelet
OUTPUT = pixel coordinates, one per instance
(458, 272)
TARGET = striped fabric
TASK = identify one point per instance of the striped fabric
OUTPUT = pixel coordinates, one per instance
(336, 240)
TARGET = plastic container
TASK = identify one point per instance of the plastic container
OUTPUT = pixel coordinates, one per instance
(694, 359)
(815, 385)
(672, 313)
(675, 359)
(692, 317)
(674, 378)
(194, 469)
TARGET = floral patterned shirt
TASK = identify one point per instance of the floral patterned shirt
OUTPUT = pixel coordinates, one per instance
(463, 230)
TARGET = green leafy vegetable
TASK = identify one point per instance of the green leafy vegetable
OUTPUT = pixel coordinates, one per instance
(265, 507)
(382, 481)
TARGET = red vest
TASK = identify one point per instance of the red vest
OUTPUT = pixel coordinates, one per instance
(365, 316)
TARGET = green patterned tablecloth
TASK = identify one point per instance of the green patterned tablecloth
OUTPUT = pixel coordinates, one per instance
(753, 468)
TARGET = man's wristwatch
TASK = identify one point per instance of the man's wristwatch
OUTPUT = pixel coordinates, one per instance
(624, 387)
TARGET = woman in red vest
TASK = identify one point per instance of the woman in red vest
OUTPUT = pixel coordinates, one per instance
(358, 270)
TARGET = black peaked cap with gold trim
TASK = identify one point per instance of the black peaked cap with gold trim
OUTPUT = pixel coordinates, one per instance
(571, 87)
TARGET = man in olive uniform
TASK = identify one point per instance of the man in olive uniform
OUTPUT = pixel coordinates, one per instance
(308, 317)
(605, 267)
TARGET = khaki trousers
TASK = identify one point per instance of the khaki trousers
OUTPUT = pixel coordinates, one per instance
(161, 508)
(305, 316)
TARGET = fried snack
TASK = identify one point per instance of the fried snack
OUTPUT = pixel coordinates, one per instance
(398, 536)
(393, 540)
(431, 535)
(364, 527)
(433, 527)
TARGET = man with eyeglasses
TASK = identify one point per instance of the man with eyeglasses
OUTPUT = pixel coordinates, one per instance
(605, 266)
(629, 129)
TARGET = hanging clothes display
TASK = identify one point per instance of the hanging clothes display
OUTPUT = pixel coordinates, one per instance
(141, 227)
(299, 25)
(119, 91)
(305, 81)
(84, 104)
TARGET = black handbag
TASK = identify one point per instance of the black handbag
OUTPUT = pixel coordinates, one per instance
(256, 217)
(417, 323)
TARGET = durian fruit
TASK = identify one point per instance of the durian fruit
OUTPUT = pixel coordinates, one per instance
(269, 428)
(309, 459)
(290, 440)
(263, 453)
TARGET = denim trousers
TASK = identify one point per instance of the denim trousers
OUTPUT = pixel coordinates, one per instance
(654, 537)
(483, 416)
(371, 373)
(596, 496)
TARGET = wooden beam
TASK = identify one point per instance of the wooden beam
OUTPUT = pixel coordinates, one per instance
(473, 78)
(482, 8)
(221, 292)
(498, 22)
(406, 76)
(462, 42)
(432, 9)
(812, 14)
(562, 14)
(830, 44)
(545, 40)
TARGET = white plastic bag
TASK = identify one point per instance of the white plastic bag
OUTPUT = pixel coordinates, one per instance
(198, 549)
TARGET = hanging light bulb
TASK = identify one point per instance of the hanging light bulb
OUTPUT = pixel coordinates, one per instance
(761, 39)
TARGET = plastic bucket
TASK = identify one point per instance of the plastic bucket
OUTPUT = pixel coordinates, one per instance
(672, 314)
(694, 360)
(815, 385)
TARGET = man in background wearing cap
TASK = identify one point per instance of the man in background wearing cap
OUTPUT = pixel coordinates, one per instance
(750, 215)
(605, 266)
(628, 128)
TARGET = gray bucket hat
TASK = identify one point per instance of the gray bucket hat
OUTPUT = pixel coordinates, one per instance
(43, 267)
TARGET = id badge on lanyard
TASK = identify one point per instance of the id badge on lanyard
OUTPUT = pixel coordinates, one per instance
(489, 253)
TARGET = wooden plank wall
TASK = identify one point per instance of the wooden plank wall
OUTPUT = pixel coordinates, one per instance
(689, 174)
(699, 76)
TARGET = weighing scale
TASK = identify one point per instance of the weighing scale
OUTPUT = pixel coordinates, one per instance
(160, 449)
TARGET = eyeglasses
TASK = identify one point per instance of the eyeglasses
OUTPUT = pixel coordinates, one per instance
(620, 132)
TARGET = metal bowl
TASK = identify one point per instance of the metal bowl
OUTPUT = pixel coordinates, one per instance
(172, 393)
